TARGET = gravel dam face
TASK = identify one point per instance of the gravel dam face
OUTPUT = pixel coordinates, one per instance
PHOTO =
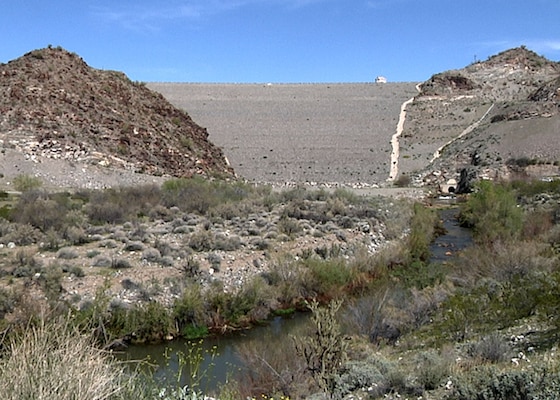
(298, 133)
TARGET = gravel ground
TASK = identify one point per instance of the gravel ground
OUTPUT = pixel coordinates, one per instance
(313, 133)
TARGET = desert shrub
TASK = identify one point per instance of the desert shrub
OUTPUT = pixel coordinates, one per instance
(25, 183)
(288, 277)
(325, 348)
(52, 360)
(51, 282)
(365, 314)
(465, 311)
(199, 195)
(493, 213)
(151, 255)
(7, 302)
(190, 267)
(215, 260)
(288, 226)
(134, 246)
(120, 263)
(109, 243)
(105, 212)
(491, 348)
(227, 243)
(535, 187)
(26, 264)
(494, 305)
(92, 253)
(202, 240)
(489, 383)
(113, 205)
(38, 209)
(102, 261)
(67, 253)
(75, 270)
(76, 235)
(432, 369)
(420, 274)
(521, 162)
(364, 375)
(508, 260)
(254, 300)
(5, 211)
(536, 224)
(22, 234)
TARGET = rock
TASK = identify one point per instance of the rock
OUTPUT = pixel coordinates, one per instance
(466, 180)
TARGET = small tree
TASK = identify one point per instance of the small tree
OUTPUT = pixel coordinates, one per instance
(324, 351)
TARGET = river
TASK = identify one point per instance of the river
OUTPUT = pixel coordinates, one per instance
(220, 356)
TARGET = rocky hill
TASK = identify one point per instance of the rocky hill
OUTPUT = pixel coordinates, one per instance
(53, 106)
(494, 119)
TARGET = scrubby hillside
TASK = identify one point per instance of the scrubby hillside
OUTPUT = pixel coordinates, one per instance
(484, 118)
(54, 106)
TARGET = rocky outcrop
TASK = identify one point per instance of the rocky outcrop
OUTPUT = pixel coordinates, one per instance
(53, 105)
(511, 103)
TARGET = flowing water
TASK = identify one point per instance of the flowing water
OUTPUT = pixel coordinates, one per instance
(220, 355)
(456, 237)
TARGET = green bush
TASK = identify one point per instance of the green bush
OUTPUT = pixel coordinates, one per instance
(148, 322)
(422, 232)
(189, 312)
(328, 277)
(493, 213)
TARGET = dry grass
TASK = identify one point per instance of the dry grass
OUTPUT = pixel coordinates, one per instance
(53, 361)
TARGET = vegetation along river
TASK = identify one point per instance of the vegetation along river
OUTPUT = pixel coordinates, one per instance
(220, 356)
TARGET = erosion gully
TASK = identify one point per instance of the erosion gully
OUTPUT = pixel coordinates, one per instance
(220, 356)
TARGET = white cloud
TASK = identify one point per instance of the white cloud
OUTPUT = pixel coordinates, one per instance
(143, 16)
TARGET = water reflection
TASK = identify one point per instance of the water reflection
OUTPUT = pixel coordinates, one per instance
(220, 355)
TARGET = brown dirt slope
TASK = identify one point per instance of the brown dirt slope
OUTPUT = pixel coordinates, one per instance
(512, 103)
(54, 106)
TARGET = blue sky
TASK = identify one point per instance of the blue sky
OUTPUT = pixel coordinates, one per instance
(280, 40)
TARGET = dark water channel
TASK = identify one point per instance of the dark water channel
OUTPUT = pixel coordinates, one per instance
(456, 237)
(221, 354)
